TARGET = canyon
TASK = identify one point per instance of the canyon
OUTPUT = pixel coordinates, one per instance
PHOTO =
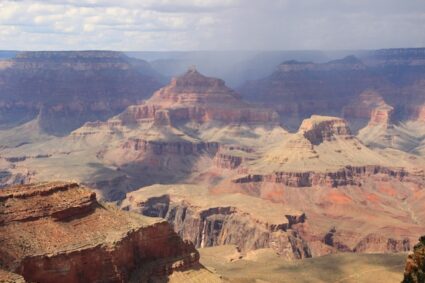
(321, 159)
(298, 89)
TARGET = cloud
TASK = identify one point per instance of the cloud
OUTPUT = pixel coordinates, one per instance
(211, 24)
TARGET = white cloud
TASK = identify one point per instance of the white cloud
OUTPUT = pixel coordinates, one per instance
(210, 24)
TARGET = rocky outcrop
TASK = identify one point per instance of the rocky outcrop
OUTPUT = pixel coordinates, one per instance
(415, 265)
(231, 157)
(58, 232)
(318, 129)
(68, 89)
(214, 225)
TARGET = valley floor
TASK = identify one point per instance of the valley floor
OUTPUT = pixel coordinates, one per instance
(263, 266)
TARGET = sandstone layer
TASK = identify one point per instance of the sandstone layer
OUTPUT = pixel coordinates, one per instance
(58, 232)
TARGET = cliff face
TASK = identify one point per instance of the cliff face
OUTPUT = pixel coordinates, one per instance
(349, 176)
(58, 232)
(71, 88)
(415, 264)
(318, 129)
(217, 222)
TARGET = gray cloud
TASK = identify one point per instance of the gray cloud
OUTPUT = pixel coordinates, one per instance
(211, 24)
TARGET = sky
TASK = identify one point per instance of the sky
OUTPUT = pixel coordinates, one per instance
(169, 25)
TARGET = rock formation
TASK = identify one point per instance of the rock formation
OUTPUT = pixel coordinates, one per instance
(58, 232)
(222, 220)
(299, 89)
(415, 264)
(68, 89)
(383, 131)
(170, 138)
(324, 170)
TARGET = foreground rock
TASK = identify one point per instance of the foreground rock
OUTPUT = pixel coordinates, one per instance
(415, 265)
(58, 232)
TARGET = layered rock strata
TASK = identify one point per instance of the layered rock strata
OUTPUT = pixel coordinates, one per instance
(68, 89)
(221, 220)
(350, 175)
(58, 232)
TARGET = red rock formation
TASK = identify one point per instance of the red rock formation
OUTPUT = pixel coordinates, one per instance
(58, 232)
(194, 97)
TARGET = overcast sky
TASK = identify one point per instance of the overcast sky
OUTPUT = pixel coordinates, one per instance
(211, 24)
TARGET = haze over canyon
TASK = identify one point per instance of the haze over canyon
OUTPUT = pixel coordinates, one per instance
(115, 170)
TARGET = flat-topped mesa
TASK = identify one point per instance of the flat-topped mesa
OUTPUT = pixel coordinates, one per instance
(318, 129)
(58, 232)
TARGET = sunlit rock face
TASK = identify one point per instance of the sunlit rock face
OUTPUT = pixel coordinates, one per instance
(58, 232)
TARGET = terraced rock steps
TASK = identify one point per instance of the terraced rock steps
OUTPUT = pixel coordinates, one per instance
(59, 232)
